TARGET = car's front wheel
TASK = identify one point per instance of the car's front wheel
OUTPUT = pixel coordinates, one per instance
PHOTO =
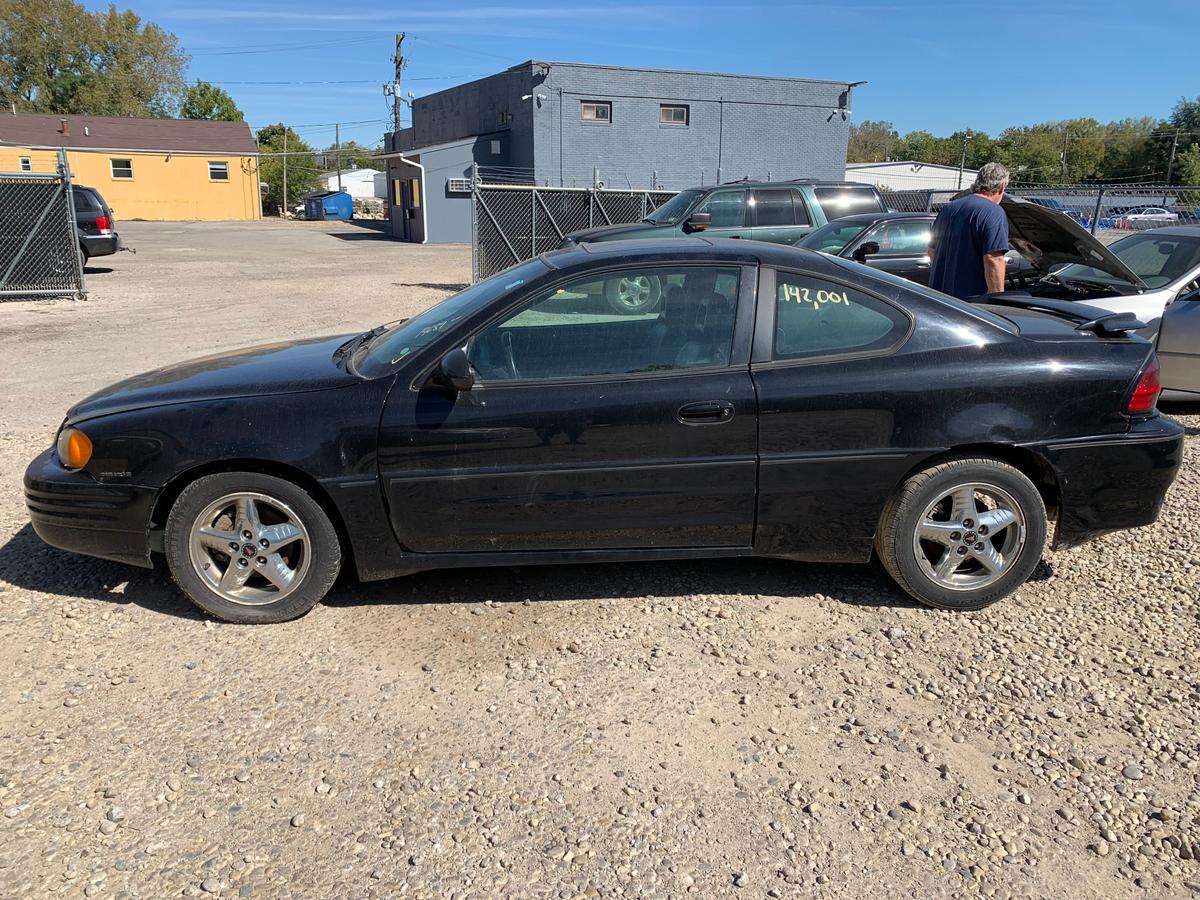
(251, 548)
(963, 534)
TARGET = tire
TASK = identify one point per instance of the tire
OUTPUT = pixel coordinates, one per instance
(963, 503)
(633, 296)
(272, 582)
(84, 256)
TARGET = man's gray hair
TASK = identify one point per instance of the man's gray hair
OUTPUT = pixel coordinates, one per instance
(992, 179)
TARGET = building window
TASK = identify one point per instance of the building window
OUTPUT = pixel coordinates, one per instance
(599, 111)
(495, 148)
(218, 171)
(397, 192)
(26, 164)
(414, 190)
(673, 115)
(121, 168)
(502, 118)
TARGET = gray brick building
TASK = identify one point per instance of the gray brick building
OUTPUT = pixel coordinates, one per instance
(565, 124)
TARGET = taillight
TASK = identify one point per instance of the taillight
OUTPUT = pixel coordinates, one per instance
(103, 224)
(1145, 394)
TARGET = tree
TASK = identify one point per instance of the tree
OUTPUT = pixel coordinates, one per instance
(352, 154)
(207, 101)
(1187, 164)
(56, 56)
(303, 172)
(871, 142)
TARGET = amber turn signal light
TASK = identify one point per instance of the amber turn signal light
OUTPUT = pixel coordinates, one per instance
(74, 448)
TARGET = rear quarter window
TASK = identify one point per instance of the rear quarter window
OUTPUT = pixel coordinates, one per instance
(815, 317)
(847, 201)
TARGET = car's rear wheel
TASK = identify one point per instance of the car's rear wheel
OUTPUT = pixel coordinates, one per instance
(251, 548)
(633, 295)
(963, 534)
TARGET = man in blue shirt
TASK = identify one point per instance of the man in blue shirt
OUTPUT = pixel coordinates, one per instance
(970, 238)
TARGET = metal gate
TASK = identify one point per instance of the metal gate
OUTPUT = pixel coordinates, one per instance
(513, 223)
(39, 242)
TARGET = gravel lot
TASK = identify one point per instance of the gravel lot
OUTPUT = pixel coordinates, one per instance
(733, 728)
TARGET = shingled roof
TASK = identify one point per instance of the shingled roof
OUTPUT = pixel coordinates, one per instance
(116, 133)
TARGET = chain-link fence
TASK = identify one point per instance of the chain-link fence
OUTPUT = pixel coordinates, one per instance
(1095, 207)
(39, 241)
(513, 223)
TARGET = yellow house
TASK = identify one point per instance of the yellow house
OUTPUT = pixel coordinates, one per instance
(156, 169)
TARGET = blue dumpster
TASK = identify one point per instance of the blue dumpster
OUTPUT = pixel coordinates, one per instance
(328, 205)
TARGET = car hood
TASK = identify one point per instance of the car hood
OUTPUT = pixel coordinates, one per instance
(1048, 238)
(283, 368)
(616, 232)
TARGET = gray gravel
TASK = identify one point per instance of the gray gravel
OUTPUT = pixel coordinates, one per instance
(732, 728)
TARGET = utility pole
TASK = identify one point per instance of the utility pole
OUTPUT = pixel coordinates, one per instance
(1171, 164)
(337, 151)
(962, 162)
(398, 59)
(284, 205)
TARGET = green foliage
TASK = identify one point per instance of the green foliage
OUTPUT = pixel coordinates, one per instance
(303, 169)
(1187, 166)
(353, 155)
(56, 56)
(872, 142)
(207, 101)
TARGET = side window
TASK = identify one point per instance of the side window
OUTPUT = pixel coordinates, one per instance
(83, 202)
(814, 317)
(773, 209)
(637, 320)
(902, 238)
(846, 201)
(727, 208)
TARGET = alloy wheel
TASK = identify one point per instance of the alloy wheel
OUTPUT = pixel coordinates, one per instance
(970, 537)
(250, 548)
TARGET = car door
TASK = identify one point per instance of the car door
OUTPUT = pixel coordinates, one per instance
(727, 209)
(588, 428)
(778, 215)
(1179, 344)
(903, 248)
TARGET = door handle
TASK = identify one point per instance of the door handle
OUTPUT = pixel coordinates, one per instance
(706, 412)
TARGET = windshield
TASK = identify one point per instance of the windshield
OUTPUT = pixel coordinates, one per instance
(380, 355)
(832, 238)
(1155, 258)
(674, 209)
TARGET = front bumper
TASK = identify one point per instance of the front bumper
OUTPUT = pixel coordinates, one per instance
(1114, 482)
(73, 511)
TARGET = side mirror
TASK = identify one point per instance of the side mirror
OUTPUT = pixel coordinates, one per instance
(870, 248)
(698, 221)
(454, 371)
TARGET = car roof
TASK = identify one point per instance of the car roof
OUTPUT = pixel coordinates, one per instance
(810, 182)
(871, 217)
(1176, 230)
(728, 250)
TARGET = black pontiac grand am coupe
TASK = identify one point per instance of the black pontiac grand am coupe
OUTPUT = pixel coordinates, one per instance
(778, 402)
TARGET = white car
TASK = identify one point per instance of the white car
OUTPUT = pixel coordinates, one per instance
(1145, 216)
(1139, 274)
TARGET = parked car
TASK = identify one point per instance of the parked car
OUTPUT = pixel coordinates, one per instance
(1145, 217)
(780, 212)
(893, 242)
(783, 403)
(1140, 274)
(95, 223)
(1179, 348)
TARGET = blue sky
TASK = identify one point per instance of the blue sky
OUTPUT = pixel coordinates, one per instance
(937, 65)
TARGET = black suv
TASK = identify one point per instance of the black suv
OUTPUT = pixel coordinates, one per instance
(95, 224)
(781, 212)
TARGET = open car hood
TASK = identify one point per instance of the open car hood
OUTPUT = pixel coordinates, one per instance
(1048, 238)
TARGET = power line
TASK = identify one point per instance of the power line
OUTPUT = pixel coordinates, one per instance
(250, 49)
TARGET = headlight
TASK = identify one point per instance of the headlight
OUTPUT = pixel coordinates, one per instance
(74, 448)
